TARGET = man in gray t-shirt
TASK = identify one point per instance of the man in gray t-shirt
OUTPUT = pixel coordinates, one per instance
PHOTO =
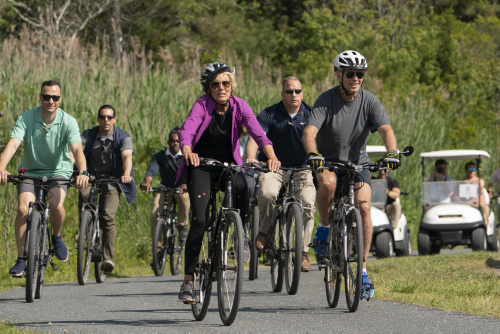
(340, 122)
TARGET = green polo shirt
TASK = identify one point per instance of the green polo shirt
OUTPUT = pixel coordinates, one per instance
(46, 151)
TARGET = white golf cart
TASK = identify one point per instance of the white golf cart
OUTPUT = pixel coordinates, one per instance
(450, 213)
(386, 241)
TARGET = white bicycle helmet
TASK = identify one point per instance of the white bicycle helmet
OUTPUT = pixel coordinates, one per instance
(210, 71)
(350, 59)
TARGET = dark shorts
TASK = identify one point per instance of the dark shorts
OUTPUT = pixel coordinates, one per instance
(364, 176)
(30, 187)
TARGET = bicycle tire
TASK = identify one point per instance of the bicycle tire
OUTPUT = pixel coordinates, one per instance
(100, 276)
(333, 276)
(33, 262)
(354, 259)
(85, 244)
(177, 248)
(254, 254)
(230, 267)
(202, 288)
(333, 280)
(276, 255)
(293, 248)
(159, 246)
(44, 255)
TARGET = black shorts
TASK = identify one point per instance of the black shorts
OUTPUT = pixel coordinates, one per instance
(363, 176)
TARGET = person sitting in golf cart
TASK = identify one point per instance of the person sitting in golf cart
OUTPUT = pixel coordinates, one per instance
(469, 192)
(441, 193)
(392, 206)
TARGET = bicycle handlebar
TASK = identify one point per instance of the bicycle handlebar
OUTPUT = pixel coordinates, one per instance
(262, 167)
(165, 189)
(97, 181)
(16, 179)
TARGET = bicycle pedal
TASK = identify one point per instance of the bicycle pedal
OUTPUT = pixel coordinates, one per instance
(189, 302)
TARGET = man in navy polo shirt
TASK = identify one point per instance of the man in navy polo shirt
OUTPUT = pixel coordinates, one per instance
(283, 124)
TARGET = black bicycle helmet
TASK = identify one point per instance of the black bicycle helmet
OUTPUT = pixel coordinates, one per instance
(350, 59)
(210, 71)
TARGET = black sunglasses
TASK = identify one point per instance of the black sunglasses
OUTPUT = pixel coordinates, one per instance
(104, 116)
(290, 91)
(216, 84)
(174, 141)
(350, 75)
(47, 98)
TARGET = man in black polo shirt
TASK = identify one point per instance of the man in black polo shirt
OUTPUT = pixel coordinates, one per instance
(283, 124)
(167, 163)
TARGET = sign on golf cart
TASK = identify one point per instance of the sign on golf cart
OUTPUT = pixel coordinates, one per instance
(386, 241)
(451, 209)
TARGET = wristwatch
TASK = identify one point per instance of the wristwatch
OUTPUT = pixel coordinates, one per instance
(84, 172)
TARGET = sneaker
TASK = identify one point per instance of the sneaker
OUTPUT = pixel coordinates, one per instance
(367, 288)
(19, 268)
(183, 233)
(60, 249)
(319, 241)
(107, 267)
(261, 241)
(186, 293)
(306, 265)
(246, 249)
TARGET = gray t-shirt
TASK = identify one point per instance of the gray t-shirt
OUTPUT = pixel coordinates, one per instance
(345, 125)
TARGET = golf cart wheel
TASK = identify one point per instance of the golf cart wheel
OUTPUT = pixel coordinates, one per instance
(384, 245)
(424, 243)
(479, 242)
(495, 245)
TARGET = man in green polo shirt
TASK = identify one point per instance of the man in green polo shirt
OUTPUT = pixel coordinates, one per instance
(49, 134)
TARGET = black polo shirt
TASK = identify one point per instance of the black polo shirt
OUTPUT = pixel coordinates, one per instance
(285, 133)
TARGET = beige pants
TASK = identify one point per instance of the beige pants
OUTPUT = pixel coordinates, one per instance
(270, 184)
(108, 204)
(182, 208)
(394, 212)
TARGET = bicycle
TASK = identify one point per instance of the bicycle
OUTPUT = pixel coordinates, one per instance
(284, 250)
(167, 235)
(38, 248)
(89, 234)
(253, 225)
(221, 253)
(344, 247)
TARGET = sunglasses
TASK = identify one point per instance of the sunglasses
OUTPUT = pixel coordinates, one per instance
(290, 91)
(471, 169)
(350, 75)
(47, 98)
(216, 84)
(174, 141)
(104, 116)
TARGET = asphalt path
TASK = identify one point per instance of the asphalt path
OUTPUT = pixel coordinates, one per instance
(149, 304)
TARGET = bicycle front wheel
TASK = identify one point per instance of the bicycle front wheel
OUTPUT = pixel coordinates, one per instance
(353, 248)
(44, 258)
(159, 246)
(33, 263)
(202, 288)
(100, 276)
(230, 267)
(293, 245)
(177, 248)
(275, 255)
(254, 254)
(85, 243)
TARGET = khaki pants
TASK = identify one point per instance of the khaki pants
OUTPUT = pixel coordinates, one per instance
(108, 204)
(270, 184)
(394, 212)
(182, 208)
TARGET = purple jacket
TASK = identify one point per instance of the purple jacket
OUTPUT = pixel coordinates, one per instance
(200, 116)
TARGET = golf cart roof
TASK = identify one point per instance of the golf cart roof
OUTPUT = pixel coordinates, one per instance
(455, 155)
(374, 151)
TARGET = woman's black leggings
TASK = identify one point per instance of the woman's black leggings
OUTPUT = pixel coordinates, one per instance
(199, 184)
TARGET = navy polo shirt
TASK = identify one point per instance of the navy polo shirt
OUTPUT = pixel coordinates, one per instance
(285, 133)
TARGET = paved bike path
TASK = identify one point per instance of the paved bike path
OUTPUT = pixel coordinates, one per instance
(149, 305)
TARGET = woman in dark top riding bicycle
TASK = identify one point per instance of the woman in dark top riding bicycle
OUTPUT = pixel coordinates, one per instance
(212, 130)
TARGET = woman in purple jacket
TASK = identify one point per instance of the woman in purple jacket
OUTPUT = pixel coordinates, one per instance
(212, 130)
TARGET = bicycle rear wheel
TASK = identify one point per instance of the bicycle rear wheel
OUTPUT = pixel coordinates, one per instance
(44, 258)
(293, 245)
(202, 288)
(85, 243)
(230, 267)
(159, 246)
(177, 248)
(100, 276)
(333, 279)
(33, 263)
(254, 254)
(354, 259)
(276, 256)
